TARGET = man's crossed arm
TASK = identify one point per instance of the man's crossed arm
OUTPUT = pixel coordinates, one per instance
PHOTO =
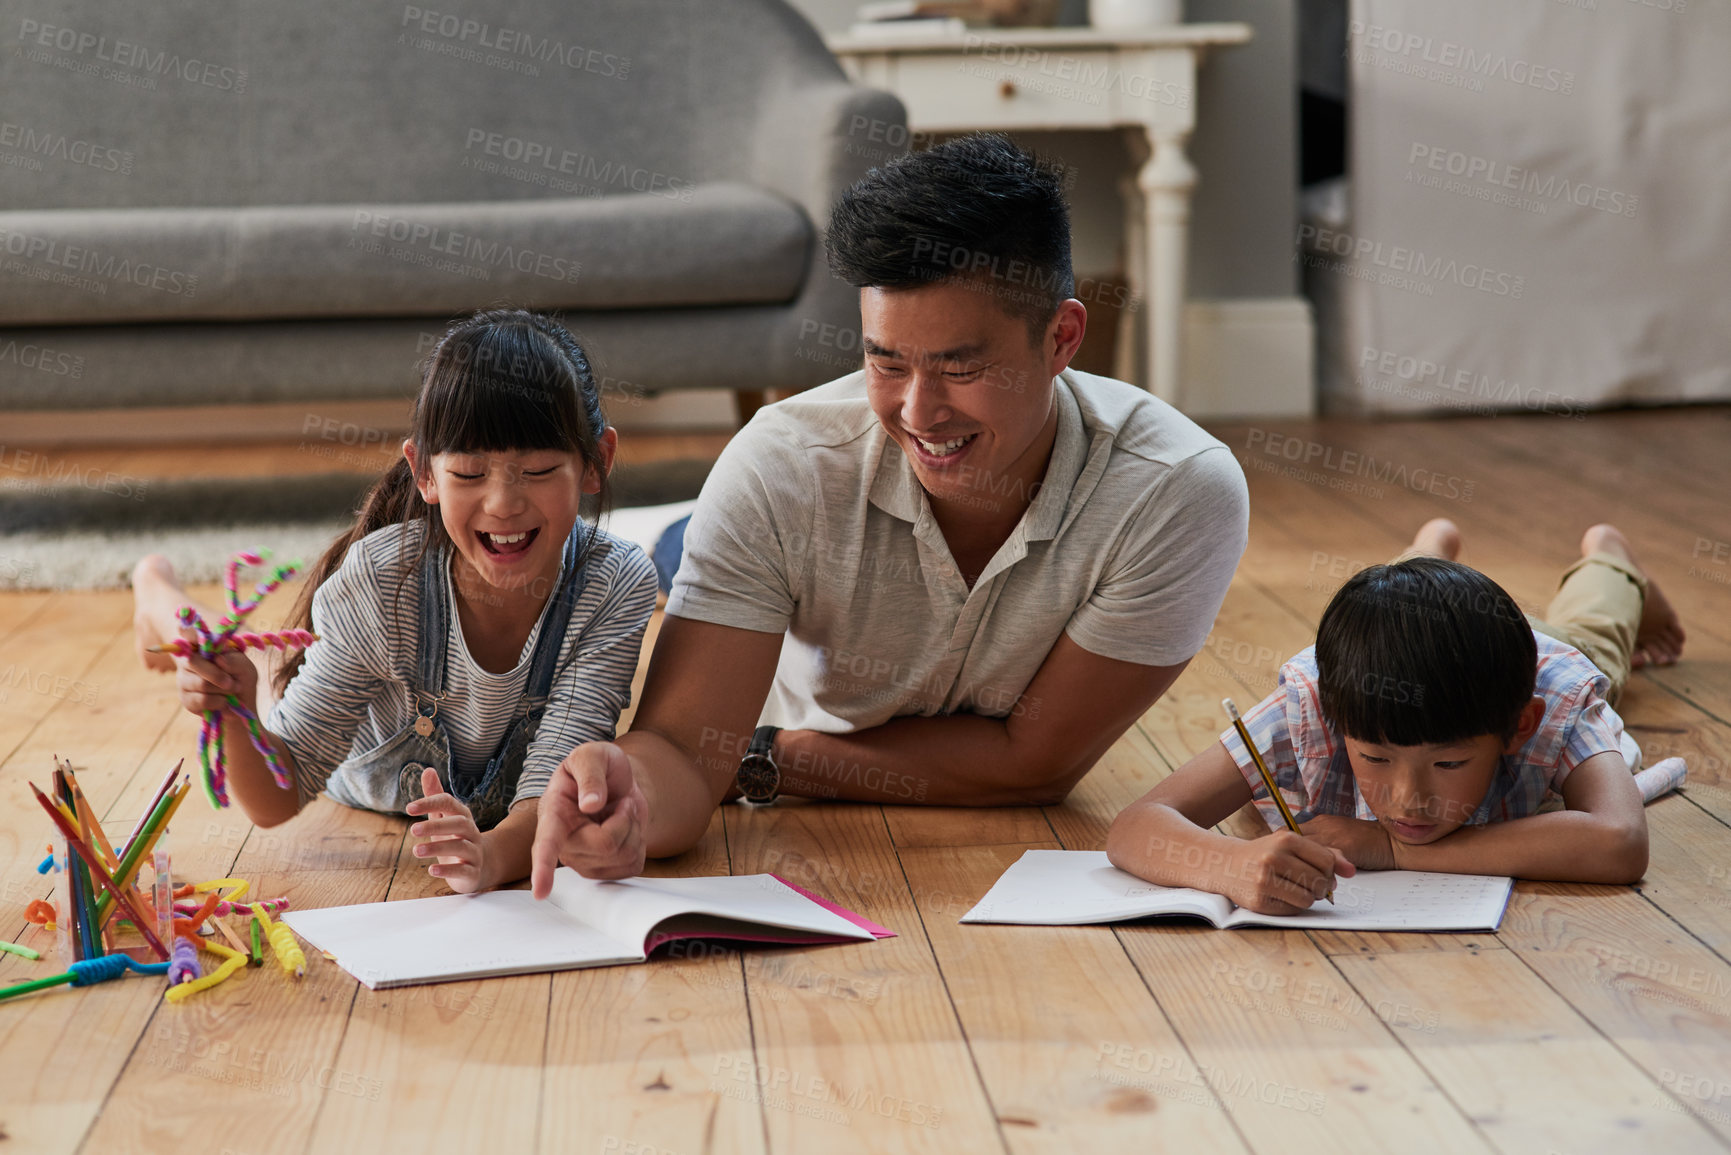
(654, 791)
(1077, 705)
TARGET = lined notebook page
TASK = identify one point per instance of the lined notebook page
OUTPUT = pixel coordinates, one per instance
(1399, 900)
(1074, 887)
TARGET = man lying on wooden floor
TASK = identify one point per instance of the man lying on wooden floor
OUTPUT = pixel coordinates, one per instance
(955, 576)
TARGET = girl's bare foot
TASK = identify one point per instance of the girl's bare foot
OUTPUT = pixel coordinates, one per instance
(156, 599)
(157, 596)
(1659, 637)
(150, 577)
(1438, 537)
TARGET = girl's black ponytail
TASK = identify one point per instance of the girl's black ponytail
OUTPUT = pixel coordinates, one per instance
(391, 500)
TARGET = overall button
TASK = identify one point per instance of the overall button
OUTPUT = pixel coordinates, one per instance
(414, 767)
(423, 725)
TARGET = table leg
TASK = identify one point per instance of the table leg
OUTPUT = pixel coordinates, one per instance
(1166, 181)
(1130, 358)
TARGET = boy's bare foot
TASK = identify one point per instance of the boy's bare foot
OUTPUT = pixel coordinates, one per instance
(156, 599)
(1438, 537)
(1659, 637)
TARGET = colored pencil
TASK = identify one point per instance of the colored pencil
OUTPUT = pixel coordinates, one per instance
(87, 866)
(91, 831)
(90, 937)
(127, 874)
(119, 963)
(1267, 778)
(136, 850)
(73, 918)
(233, 941)
(87, 822)
(35, 985)
(91, 941)
(74, 911)
(164, 788)
(61, 793)
(94, 865)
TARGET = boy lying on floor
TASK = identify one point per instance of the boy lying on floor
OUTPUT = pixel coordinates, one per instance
(1424, 731)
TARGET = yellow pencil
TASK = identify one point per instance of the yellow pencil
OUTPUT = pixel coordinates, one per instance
(1267, 778)
(91, 829)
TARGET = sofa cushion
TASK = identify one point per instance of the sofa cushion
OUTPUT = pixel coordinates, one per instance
(708, 244)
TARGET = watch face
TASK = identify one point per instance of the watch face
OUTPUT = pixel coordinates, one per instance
(758, 779)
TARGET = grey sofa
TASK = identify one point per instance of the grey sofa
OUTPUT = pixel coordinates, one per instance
(287, 201)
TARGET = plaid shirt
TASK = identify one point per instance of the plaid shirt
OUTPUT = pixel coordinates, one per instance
(1309, 762)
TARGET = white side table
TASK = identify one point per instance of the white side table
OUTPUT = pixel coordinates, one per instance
(1070, 78)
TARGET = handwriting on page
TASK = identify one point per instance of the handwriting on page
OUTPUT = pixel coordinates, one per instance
(1403, 898)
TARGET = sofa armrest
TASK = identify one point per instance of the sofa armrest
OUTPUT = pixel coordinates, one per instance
(815, 140)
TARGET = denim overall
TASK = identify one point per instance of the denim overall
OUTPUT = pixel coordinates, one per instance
(388, 777)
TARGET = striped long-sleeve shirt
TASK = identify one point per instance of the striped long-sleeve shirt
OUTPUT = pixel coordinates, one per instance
(352, 694)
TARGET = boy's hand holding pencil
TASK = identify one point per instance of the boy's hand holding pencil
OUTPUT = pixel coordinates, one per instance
(1283, 873)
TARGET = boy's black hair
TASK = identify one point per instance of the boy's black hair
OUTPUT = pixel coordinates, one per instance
(976, 209)
(1424, 652)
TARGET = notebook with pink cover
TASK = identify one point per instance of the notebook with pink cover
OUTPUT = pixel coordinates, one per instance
(585, 922)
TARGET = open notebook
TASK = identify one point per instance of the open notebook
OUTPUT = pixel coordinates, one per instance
(1072, 887)
(583, 923)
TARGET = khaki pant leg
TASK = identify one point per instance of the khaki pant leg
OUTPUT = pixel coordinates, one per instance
(1597, 609)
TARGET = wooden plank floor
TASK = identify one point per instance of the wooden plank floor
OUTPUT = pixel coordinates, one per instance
(1596, 1019)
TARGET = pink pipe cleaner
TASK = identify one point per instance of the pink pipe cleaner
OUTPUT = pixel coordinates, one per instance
(188, 909)
(269, 640)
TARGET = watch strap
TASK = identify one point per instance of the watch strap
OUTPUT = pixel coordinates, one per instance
(758, 755)
(763, 740)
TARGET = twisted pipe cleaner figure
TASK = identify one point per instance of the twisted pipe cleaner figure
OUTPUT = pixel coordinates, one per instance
(212, 642)
(267, 640)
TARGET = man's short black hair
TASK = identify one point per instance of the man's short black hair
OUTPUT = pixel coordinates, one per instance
(1424, 652)
(976, 209)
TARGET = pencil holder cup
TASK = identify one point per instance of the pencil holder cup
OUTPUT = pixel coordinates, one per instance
(65, 944)
(161, 903)
(155, 881)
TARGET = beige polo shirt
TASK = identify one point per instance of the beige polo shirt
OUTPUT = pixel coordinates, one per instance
(813, 525)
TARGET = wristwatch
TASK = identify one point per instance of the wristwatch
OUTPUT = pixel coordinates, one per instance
(759, 778)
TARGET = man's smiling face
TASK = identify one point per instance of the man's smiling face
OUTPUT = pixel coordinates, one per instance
(964, 389)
